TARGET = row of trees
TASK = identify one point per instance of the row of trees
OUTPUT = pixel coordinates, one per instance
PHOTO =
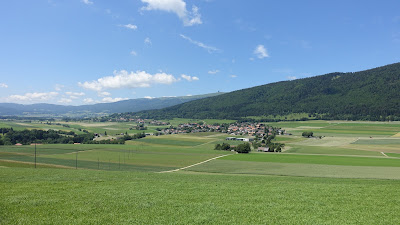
(241, 148)
(25, 137)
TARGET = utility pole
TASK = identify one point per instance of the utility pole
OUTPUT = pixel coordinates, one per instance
(35, 155)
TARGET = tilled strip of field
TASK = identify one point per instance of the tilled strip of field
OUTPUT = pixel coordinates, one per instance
(297, 169)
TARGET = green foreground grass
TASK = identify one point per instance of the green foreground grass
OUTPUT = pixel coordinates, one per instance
(58, 196)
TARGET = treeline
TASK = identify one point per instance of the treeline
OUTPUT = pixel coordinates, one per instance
(26, 137)
(367, 95)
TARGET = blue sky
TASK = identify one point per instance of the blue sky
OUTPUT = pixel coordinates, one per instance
(77, 52)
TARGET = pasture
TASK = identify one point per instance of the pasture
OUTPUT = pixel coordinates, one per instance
(343, 177)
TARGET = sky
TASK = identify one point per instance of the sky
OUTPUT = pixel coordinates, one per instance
(75, 52)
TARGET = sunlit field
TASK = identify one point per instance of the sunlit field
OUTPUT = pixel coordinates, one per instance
(341, 178)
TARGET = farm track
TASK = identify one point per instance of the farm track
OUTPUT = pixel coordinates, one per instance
(196, 164)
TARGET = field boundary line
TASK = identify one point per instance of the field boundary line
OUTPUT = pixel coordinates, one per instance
(196, 164)
(384, 154)
(39, 164)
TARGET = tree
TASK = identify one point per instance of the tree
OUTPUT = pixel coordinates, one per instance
(105, 133)
(243, 148)
(225, 146)
(307, 134)
(217, 147)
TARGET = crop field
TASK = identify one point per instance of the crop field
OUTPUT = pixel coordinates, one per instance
(342, 178)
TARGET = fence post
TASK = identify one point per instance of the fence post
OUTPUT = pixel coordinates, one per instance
(35, 155)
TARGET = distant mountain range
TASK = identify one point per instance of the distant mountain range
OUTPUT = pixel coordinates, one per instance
(132, 105)
(368, 95)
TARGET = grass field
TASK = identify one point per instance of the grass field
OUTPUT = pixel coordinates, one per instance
(342, 178)
(58, 196)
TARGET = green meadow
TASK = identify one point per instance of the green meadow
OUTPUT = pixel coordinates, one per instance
(349, 176)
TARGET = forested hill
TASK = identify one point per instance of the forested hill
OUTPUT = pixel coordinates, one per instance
(372, 95)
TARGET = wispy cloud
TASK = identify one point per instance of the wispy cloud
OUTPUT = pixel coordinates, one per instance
(305, 44)
(291, 77)
(129, 26)
(147, 41)
(133, 53)
(103, 94)
(213, 71)
(58, 87)
(178, 7)
(124, 79)
(189, 78)
(87, 2)
(261, 52)
(233, 76)
(210, 49)
(3, 85)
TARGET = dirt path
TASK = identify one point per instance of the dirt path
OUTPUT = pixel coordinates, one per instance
(208, 160)
(384, 154)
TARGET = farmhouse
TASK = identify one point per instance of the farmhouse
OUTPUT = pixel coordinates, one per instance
(262, 149)
(245, 139)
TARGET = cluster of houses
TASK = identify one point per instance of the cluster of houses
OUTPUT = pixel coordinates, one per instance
(234, 129)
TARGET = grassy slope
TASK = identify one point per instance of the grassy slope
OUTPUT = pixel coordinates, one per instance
(316, 159)
(51, 196)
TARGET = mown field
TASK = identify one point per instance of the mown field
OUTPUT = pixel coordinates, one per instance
(349, 176)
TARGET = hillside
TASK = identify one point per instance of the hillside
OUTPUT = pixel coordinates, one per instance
(132, 105)
(371, 94)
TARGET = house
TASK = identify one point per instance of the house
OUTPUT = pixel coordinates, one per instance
(262, 149)
(245, 139)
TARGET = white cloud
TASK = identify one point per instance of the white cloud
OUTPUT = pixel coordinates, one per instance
(75, 93)
(210, 49)
(65, 100)
(148, 97)
(129, 26)
(124, 79)
(233, 76)
(109, 99)
(261, 52)
(147, 41)
(88, 100)
(3, 85)
(213, 71)
(291, 77)
(87, 2)
(32, 97)
(189, 78)
(178, 7)
(103, 94)
(133, 53)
